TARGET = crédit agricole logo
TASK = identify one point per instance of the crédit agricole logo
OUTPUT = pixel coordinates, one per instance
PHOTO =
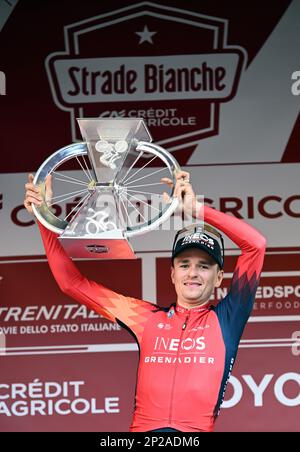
(170, 66)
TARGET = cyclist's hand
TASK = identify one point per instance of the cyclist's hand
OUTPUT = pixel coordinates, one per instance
(184, 192)
(33, 193)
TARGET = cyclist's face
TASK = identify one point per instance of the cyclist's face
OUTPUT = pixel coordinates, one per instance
(195, 275)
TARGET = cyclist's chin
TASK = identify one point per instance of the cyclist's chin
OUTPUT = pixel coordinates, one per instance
(193, 295)
(190, 303)
(200, 295)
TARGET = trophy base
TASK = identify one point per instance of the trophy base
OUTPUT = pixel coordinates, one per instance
(97, 248)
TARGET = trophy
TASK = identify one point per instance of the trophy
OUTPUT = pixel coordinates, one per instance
(107, 188)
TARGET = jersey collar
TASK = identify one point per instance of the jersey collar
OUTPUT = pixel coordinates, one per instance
(196, 309)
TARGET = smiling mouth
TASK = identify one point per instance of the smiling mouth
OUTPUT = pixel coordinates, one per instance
(193, 284)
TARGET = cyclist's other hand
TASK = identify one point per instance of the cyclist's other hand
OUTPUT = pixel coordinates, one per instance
(33, 193)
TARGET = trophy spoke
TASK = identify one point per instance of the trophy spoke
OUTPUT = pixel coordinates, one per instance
(90, 179)
(143, 202)
(140, 169)
(147, 185)
(66, 196)
(69, 177)
(147, 175)
(128, 200)
(127, 214)
(87, 168)
(143, 192)
(78, 204)
(71, 181)
(129, 169)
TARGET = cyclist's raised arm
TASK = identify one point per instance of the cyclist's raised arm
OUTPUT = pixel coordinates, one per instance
(113, 306)
(239, 302)
(234, 310)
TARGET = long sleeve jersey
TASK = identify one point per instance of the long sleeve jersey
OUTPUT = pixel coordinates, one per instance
(186, 355)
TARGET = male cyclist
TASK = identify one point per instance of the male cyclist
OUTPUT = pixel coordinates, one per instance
(187, 351)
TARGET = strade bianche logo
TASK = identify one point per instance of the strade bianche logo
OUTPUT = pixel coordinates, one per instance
(134, 62)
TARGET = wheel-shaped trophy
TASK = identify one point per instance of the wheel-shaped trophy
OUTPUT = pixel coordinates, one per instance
(114, 181)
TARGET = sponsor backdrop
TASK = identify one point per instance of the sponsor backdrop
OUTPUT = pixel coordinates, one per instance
(218, 86)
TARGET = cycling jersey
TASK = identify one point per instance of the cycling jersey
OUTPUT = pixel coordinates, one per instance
(186, 355)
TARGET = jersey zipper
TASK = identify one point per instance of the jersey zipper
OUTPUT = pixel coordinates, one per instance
(175, 371)
(185, 322)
